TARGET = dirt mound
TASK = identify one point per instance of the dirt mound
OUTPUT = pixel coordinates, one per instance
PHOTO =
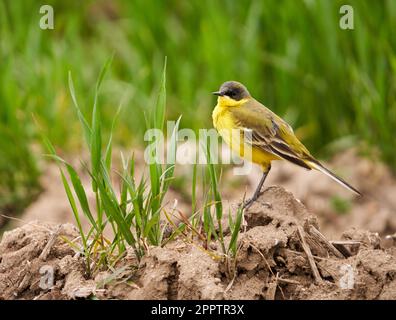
(37, 263)
(281, 255)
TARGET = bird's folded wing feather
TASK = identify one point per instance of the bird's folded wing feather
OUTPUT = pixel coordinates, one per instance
(263, 129)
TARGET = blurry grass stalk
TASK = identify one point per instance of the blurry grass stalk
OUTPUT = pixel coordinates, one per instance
(134, 214)
(19, 172)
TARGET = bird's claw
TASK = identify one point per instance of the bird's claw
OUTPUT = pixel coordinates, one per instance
(249, 202)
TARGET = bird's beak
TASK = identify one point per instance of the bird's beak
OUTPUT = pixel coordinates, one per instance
(218, 93)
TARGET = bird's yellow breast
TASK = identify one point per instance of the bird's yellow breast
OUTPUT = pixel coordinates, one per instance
(229, 130)
(222, 117)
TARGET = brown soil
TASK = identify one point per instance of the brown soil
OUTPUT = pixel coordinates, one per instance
(280, 257)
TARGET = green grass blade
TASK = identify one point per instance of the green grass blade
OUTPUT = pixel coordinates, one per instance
(194, 189)
(160, 108)
(113, 212)
(73, 206)
(170, 169)
(83, 121)
(235, 231)
(82, 197)
(102, 75)
(108, 151)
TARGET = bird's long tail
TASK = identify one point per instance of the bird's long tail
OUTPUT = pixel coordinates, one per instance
(318, 166)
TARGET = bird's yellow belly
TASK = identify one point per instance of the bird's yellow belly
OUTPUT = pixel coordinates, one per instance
(225, 125)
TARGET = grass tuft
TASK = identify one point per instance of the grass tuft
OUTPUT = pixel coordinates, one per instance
(134, 214)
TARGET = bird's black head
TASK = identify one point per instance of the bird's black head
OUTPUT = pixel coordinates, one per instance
(234, 90)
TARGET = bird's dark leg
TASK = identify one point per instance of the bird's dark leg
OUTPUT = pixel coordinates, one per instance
(256, 194)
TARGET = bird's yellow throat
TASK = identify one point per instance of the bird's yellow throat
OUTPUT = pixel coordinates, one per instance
(226, 102)
(221, 118)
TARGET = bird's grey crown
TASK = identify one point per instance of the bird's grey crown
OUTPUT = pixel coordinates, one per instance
(234, 90)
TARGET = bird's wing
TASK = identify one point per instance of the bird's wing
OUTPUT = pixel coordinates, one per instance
(263, 129)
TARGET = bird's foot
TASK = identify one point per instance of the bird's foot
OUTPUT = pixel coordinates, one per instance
(249, 202)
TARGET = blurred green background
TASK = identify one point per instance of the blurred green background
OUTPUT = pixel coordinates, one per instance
(336, 87)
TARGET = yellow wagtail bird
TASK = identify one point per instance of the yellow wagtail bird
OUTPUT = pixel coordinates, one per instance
(267, 136)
